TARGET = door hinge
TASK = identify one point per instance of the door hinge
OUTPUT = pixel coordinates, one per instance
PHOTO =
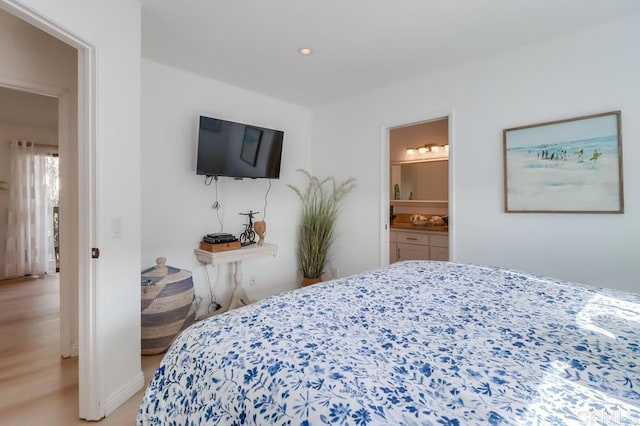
(95, 252)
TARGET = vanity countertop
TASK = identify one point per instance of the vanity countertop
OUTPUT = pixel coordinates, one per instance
(412, 227)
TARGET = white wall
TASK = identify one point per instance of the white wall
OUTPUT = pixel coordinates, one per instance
(588, 72)
(113, 29)
(177, 205)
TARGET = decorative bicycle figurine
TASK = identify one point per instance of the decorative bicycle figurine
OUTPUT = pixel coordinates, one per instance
(248, 236)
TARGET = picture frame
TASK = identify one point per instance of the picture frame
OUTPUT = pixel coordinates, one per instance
(250, 145)
(565, 166)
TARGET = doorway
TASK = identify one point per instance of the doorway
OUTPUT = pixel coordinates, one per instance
(28, 165)
(76, 119)
(436, 147)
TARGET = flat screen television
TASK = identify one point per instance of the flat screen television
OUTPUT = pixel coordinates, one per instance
(227, 148)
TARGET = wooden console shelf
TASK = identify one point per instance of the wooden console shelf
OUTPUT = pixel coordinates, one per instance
(238, 298)
(237, 255)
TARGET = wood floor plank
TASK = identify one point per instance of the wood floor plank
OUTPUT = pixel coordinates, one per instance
(37, 386)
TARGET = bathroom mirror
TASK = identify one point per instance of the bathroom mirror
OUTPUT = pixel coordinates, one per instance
(425, 181)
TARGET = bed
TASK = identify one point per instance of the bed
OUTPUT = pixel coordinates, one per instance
(418, 342)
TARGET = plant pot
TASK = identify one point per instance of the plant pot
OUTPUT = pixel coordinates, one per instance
(306, 281)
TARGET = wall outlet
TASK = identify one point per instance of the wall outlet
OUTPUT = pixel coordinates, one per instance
(252, 281)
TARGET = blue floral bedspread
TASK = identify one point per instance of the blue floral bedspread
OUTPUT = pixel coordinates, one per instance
(417, 343)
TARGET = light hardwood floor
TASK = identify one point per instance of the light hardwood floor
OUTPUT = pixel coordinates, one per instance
(37, 386)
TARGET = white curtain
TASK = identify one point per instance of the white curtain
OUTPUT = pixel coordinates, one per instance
(29, 245)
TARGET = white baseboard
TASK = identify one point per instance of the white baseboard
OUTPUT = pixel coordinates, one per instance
(122, 395)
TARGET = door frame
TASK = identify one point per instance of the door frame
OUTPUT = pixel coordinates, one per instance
(385, 144)
(90, 376)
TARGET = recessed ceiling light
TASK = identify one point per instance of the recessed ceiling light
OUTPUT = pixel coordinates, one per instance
(305, 51)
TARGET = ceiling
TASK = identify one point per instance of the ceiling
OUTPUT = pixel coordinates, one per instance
(24, 108)
(359, 45)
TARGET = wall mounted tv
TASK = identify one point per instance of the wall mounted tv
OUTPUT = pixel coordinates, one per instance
(227, 148)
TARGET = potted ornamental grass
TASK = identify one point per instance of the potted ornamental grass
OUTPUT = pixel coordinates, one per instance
(321, 200)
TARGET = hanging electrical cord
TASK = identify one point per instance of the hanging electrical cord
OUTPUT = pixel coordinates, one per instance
(266, 194)
(216, 205)
(213, 301)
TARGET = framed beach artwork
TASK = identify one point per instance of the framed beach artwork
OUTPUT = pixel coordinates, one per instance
(565, 166)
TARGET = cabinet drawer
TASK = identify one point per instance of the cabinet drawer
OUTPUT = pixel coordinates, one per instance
(413, 238)
(439, 253)
(439, 241)
(412, 252)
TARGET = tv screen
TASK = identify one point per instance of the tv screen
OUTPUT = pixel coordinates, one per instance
(227, 148)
